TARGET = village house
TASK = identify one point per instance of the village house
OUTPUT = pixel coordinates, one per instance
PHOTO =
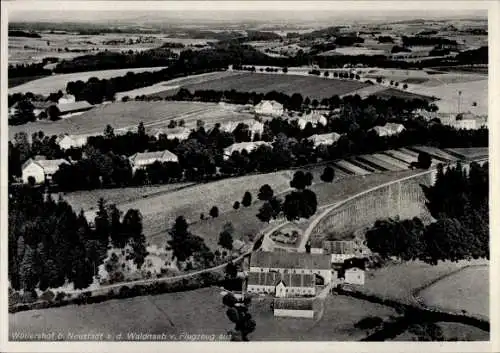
(314, 118)
(72, 108)
(324, 139)
(270, 108)
(301, 308)
(255, 127)
(175, 133)
(142, 160)
(239, 147)
(66, 99)
(467, 121)
(40, 169)
(388, 129)
(74, 141)
(281, 284)
(296, 263)
(354, 275)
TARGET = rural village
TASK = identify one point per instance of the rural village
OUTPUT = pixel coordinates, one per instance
(309, 181)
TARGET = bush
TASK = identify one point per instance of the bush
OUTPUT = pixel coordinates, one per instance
(247, 199)
(236, 205)
(368, 322)
(328, 174)
(214, 212)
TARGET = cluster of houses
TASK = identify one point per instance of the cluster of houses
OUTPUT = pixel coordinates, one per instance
(295, 278)
(66, 106)
(42, 169)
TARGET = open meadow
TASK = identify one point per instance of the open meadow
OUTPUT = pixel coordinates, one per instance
(128, 115)
(399, 281)
(56, 82)
(466, 291)
(312, 87)
(194, 312)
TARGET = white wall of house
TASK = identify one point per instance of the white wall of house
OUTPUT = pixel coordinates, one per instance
(340, 258)
(34, 170)
(317, 251)
(355, 276)
(281, 290)
(294, 313)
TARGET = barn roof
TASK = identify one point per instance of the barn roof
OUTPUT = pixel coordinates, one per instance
(273, 278)
(290, 260)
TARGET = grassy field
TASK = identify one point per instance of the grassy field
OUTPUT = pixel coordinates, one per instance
(17, 81)
(312, 87)
(392, 92)
(194, 312)
(398, 281)
(54, 83)
(467, 290)
(159, 212)
(470, 153)
(120, 116)
(472, 92)
(451, 331)
(336, 324)
(87, 200)
(167, 88)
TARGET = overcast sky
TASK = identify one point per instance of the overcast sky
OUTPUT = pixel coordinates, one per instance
(228, 10)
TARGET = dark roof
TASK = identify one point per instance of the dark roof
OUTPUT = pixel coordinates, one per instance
(289, 260)
(293, 304)
(339, 246)
(273, 278)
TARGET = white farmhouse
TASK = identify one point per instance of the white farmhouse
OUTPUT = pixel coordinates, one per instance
(324, 139)
(41, 169)
(313, 118)
(239, 147)
(175, 133)
(296, 263)
(74, 141)
(142, 160)
(354, 275)
(281, 284)
(68, 98)
(255, 127)
(270, 108)
(388, 129)
(338, 250)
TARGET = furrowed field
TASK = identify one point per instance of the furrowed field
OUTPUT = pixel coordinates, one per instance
(312, 87)
(54, 83)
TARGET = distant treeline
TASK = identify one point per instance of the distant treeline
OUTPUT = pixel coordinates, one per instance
(18, 33)
(109, 60)
(426, 40)
(23, 70)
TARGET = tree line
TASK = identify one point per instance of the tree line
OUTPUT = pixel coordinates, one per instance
(50, 245)
(458, 201)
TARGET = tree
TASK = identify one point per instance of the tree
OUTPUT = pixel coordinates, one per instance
(214, 212)
(326, 74)
(53, 112)
(236, 205)
(265, 212)
(285, 70)
(265, 193)
(24, 113)
(226, 240)
(424, 160)
(301, 180)
(109, 132)
(328, 174)
(405, 86)
(300, 204)
(247, 199)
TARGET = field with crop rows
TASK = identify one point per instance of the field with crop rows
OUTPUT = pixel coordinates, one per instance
(54, 83)
(312, 87)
